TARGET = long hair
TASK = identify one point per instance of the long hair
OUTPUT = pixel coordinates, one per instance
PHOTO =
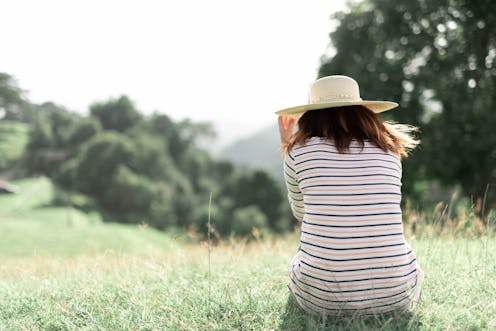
(344, 124)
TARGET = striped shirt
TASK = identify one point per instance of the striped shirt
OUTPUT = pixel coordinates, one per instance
(353, 256)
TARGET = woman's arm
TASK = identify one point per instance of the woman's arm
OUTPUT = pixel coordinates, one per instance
(295, 196)
(286, 128)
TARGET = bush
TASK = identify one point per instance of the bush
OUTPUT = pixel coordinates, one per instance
(98, 161)
(246, 218)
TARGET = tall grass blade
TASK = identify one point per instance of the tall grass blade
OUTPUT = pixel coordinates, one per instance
(209, 227)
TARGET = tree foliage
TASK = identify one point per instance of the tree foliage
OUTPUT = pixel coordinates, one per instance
(438, 59)
(144, 169)
(49, 138)
(116, 114)
(13, 103)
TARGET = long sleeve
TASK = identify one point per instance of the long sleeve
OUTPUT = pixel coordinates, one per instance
(295, 196)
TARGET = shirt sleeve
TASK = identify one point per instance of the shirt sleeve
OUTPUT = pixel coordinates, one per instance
(295, 196)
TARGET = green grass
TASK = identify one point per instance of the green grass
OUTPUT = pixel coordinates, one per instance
(29, 226)
(247, 286)
(13, 139)
(99, 277)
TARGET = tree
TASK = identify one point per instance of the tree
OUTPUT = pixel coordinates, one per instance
(97, 162)
(116, 114)
(135, 198)
(131, 178)
(437, 58)
(13, 103)
(49, 143)
(258, 188)
(135, 169)
(180, 138)
(83, 131)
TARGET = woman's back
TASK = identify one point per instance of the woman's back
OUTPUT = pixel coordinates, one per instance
(353, 255)
(343, 174)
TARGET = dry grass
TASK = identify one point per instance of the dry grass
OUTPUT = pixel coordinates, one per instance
(170, 290)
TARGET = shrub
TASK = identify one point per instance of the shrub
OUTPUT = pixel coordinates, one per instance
(246, 218)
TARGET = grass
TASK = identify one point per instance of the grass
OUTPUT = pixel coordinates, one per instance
(31, 227)
(99, 277)
(169, 291)
(13, 139)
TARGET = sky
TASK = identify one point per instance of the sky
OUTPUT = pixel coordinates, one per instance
(231, 63)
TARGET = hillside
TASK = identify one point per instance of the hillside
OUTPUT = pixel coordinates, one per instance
(260, 150)
(13, 138)
(31, 226)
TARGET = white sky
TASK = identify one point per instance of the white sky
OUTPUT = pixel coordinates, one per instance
(233, 63)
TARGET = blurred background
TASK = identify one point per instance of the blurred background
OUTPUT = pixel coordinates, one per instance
(139, 113)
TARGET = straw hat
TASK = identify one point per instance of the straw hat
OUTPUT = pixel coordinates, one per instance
(336, 91)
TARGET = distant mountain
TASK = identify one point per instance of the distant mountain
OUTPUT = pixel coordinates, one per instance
(261, 150)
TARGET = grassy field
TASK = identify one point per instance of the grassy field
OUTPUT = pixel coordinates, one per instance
(13, 138)
(64, 270)
(29, 226)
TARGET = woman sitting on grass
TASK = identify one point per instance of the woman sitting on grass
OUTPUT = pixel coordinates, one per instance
(343, 174)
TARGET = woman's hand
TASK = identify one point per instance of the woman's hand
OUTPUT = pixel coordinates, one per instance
(286, 127)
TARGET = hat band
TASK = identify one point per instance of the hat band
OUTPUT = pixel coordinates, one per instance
(336, 98)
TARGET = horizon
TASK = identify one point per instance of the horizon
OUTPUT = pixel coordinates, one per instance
(211, 64)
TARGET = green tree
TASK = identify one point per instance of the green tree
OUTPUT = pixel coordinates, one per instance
(83, 131)
(136, 169)
(49, 143)
(97, 162)
(116, 114)
(180, 138)
(258, 188)
(131, 177)
(437, 58)
(14, 106)
(136, 198)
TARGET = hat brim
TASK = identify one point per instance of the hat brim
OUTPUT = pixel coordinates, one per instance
(375, 106)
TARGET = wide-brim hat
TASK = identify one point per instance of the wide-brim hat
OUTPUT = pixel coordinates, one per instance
(336, 91)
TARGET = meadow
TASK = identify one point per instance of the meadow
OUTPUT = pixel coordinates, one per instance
(63, 269)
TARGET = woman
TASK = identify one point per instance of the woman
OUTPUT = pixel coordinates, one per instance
(343, 174)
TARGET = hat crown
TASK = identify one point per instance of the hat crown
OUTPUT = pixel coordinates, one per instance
(334, 88)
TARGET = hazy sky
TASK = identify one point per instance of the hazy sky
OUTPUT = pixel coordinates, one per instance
(229, 62)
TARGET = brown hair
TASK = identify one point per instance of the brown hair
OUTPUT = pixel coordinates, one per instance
(343, 124)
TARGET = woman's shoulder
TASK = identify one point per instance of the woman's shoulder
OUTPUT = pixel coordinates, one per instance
(310, 145)
(316, 144)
